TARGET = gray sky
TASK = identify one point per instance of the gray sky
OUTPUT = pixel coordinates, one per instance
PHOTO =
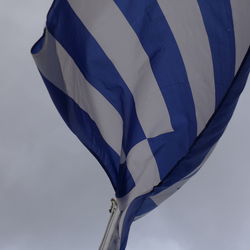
(55, 196)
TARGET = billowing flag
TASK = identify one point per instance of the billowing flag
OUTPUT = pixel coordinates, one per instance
(147, 86)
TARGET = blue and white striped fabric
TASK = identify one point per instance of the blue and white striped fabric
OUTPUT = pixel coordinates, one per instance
(147, 86)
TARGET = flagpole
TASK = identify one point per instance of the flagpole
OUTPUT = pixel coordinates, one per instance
(111, 227)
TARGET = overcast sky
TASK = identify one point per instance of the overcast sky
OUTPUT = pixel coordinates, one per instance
(54, 194)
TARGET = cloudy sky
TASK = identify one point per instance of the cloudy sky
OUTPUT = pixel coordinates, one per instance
(55, 196)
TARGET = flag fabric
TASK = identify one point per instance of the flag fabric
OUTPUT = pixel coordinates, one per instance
(147, 86)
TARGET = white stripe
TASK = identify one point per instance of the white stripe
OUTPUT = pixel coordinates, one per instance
(241, 19)
(186, 23)
(59, 68)
(118, 40)
(162, 196)
(143, 168)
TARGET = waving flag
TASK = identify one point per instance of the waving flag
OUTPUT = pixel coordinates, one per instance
(147, 86)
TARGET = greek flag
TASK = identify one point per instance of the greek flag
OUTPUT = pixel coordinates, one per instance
(148, 87)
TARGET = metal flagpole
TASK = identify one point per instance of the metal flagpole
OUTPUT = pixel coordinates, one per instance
(106, 243)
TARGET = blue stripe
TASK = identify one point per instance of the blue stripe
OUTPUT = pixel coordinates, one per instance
(86, 130)
(96, 67)
(218, 20)
(125, 180)
(153, 31)
(39, 44)
(202, 145)
(148, 205)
